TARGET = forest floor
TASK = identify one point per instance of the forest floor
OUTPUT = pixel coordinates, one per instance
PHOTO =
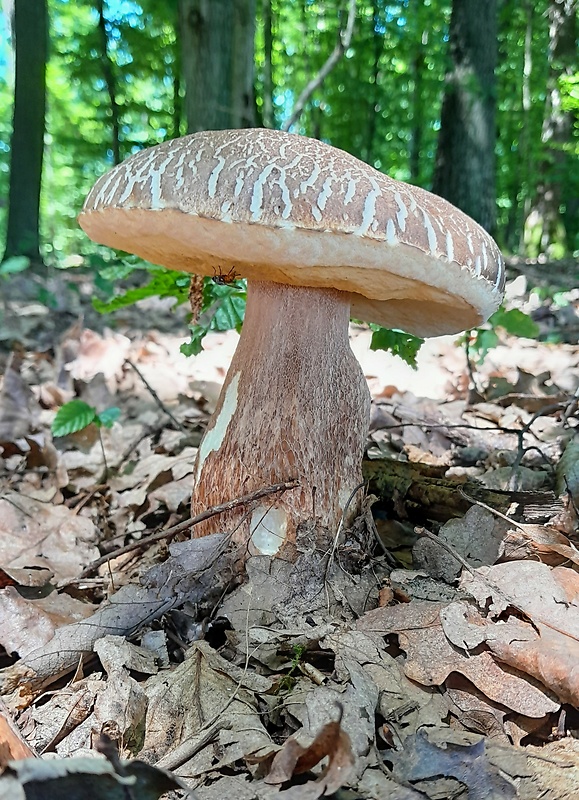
(441, 660)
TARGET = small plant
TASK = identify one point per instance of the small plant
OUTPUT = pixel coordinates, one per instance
(288, 681)
(222, 307)
(13, 265)
(515, 322)
(76, 415)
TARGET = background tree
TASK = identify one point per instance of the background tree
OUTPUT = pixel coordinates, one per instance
(465, 159)
(217, 45)
(30, 34)
(553, 220)
(382, 101)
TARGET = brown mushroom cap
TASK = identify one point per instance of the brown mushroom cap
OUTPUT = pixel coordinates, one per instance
(280, 207)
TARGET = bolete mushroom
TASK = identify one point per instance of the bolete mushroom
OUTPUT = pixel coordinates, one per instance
(320, 236)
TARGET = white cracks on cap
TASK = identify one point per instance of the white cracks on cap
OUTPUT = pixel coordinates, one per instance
(214, 437)
(430, 232)
(402, 212)
(268, 528)
(449, 246)
(369, 212)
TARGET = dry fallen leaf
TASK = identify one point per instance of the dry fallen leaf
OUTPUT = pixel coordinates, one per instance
(547, 645)
(431, 657)
(422, 761)
(294, 759)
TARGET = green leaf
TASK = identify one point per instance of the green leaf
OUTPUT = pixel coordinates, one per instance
(515, 322)
(109, 416)
(73, 417)
(223, 308)
(194, 346)
(164, 283)
(229, 313)
(484, 340)
(14, 265)
(399, 343)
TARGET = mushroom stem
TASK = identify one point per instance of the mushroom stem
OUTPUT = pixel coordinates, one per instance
(295, 404)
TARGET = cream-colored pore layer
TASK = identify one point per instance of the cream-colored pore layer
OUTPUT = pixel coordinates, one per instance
(382, 278)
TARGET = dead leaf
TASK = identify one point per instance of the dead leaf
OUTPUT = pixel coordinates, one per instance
(195, 297)
(12, 743)
(18, 408)
(28, 624)
(35, 534)
(422, 761)
(294, 759)
(547, 646)
(538, 543)
(86, 777)
(476, 537)
(431, 657)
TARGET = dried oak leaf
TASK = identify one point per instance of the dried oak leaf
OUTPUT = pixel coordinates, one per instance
(294, 759)
(538, 543)
(422, 761)
(431, 657)
(546, 647)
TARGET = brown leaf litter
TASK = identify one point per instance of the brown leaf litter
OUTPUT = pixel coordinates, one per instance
(157, 643)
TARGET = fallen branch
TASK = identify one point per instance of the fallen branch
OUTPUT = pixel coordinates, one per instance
(184, 526)
(344, 40)
(190, 574)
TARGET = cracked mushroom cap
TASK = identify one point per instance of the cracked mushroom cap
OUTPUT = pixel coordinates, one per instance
(281, 207)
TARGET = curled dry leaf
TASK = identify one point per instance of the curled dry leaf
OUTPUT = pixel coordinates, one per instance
(423, 761)
(294, 759)
(547, 646)
(431, 657)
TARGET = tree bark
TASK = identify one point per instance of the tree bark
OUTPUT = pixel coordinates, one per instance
(465, 159)
(217, 47)
(555, 209)
(30, 27)
(110, 82)
(268, 115)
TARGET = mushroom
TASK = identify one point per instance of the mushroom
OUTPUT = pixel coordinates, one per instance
(320, 237)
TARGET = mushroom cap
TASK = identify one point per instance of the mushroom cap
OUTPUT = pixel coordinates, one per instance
(281, 207)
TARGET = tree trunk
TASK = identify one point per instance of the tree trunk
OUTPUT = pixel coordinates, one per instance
(465, 159)
(554, 211)
(418, 69)
(268, 115)
(217, 47)
(110, 82)
(27, 142)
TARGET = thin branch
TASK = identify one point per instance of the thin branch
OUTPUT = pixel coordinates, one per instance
(189, 523)
(344, 40)
(155, 396)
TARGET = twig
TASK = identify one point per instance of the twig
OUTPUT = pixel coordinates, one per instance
(189, 523)
(470, 368)
(344, 40)
(511, 521)
(334, 546)
(188, 749)
(155, 396)
(341, 523)
(419, 531)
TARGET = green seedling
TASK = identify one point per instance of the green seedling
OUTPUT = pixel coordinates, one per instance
(515, 322)
(76, 415)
